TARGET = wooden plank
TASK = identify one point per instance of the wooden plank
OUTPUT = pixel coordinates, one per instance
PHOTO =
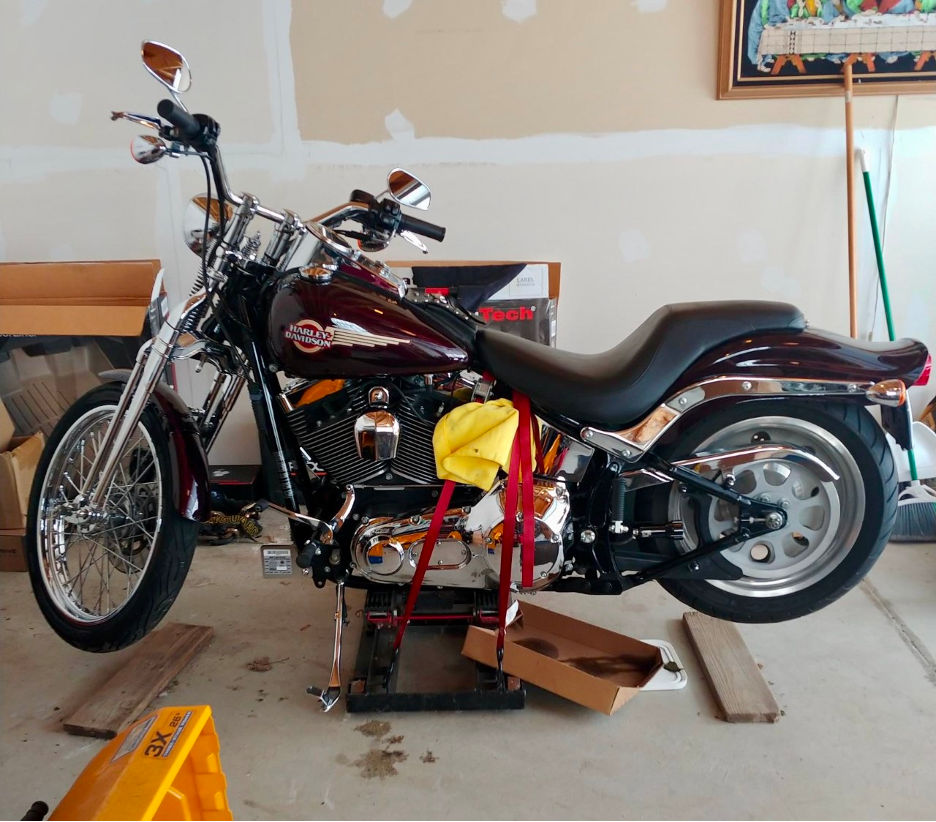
(158, 658)
(737, 684)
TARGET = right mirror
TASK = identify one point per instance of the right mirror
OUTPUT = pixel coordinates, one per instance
(408, 189)
(166, 65)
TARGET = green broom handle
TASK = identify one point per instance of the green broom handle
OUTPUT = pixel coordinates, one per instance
(878, 250)
(879, 254)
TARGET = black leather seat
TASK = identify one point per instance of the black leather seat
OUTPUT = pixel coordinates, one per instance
(622, 385)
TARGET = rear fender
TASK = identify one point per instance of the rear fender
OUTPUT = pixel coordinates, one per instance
(191, 487)
(805, 365)
(819, 358)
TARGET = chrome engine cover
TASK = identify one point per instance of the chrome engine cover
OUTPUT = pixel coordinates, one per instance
(468, 552)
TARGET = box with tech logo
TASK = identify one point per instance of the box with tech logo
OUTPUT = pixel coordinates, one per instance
(520, 298)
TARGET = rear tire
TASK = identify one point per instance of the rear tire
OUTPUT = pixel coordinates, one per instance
(845, 543)
(146, 556)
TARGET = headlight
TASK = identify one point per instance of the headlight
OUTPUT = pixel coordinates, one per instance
(193, 222)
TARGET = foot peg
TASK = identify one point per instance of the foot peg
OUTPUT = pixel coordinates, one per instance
(330, 695)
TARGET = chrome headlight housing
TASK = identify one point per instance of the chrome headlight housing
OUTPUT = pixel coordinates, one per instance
(193, 221)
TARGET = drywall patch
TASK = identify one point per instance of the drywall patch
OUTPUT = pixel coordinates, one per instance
(650, 6)
(634, 245)
(752, 247)
(398, 126)
(31, 11)
(394, 8)
(66, 107)
(518, 10)
(775, 280)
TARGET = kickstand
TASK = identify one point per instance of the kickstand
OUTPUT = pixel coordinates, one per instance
(331, 694)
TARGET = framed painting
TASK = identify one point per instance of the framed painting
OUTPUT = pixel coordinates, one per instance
(792, 48)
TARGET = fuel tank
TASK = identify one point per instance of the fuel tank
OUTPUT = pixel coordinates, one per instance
(353, 326)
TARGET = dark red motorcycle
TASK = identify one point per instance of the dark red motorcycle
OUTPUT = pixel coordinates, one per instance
(724, 448)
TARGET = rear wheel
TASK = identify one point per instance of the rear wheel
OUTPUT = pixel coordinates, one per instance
(835, 530)
(103, 585)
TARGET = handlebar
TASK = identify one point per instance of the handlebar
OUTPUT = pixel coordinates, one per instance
(417, 226)
(189, 129)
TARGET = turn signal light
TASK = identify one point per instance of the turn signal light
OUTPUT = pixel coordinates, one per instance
(923, 379)
(892, 393)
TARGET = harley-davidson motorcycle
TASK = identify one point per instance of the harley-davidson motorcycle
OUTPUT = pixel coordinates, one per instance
(724, 449)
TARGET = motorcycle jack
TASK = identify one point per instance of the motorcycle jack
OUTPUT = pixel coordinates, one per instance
(438, 616)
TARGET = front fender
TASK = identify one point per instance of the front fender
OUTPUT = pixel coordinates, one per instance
(817, 355)
(191, 487)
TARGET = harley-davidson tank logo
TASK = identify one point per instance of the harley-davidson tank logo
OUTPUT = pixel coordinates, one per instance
(310, 337)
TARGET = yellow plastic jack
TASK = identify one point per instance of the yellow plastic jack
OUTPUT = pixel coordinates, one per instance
(165, 766)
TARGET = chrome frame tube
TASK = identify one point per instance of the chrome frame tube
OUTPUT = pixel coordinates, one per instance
(218, 415)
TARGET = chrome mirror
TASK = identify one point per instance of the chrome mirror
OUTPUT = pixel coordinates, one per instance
(193, 221)
(408, 190)
(166, 65)
(147, 148)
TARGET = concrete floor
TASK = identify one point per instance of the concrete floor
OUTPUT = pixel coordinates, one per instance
(856, 681)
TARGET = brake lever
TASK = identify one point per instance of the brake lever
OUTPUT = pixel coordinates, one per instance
(140, 119)
(414, 240)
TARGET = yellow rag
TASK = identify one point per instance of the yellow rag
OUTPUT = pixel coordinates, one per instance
(474, 440)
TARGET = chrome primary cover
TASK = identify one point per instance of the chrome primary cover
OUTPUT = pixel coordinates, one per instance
(467, 554)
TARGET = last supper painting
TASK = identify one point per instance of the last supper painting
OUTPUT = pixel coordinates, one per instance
(791, 48)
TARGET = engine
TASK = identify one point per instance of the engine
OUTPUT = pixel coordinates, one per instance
(468, 552)
(369, 432)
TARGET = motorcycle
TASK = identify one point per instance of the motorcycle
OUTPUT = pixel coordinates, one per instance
(724, 449)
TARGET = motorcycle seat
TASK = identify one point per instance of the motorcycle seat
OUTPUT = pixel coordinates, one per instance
(623, 384)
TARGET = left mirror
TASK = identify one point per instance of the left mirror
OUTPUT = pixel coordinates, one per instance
(147, 148)
(193, 221)
(166, 65)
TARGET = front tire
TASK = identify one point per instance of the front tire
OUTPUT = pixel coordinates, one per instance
(105, 586)
(835, 530)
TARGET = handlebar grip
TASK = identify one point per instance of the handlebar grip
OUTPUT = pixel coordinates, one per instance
(190, 130)
(417, 226)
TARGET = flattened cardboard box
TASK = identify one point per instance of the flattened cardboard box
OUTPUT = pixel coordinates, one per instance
(12, 551)
(592, 666)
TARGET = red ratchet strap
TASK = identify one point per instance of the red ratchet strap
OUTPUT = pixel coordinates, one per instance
(519, 481)
(432, 535)
(522, 404)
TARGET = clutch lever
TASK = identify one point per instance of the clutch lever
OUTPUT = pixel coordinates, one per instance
(140, 119)
(413, 240)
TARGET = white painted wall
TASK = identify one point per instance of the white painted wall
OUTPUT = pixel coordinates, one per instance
(716, 208)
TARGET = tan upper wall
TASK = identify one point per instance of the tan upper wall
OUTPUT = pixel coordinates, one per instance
(463, 69)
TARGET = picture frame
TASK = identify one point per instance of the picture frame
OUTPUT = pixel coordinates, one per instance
(799, 48)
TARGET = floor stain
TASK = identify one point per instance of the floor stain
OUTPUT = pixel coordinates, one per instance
(428, 758)
(395, 740)
(341, 759)
(374, 728)
(380, 764)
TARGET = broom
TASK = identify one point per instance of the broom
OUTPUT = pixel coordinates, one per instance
(916, 504)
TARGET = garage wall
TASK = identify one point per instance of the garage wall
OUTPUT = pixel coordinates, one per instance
(582, 132)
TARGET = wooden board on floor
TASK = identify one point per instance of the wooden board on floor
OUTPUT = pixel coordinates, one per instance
(158, 658)
(738, 685)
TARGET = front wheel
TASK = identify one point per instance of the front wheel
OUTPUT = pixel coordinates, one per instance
(105, 584)
(835, 529)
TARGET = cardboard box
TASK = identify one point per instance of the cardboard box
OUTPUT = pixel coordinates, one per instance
(17, 468)
(592, 666)
(6, 428)
(12, 551)
(61, 324)
(526, 305)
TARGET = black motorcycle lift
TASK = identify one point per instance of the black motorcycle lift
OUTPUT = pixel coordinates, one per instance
(450, 682)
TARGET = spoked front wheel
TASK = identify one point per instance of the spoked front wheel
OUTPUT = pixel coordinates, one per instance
(105, 582)
(834, 532)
